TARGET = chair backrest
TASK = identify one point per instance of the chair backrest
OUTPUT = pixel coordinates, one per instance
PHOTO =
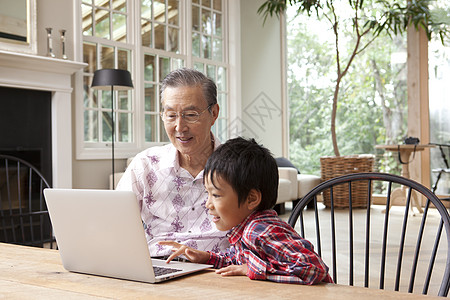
(24, 218)
(379, 247)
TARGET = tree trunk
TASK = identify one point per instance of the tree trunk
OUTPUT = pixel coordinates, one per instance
(333, 117)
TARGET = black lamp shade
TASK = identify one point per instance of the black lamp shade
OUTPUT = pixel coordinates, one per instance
(118, 79)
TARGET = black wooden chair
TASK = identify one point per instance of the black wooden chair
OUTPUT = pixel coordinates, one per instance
(379, 247)
(24, 218)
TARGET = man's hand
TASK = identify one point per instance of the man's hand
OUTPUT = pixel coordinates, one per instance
(233, 270)
(194, 255)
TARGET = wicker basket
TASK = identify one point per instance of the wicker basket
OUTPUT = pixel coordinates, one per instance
(332, 166)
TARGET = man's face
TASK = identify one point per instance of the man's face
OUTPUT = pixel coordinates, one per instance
(189, 138)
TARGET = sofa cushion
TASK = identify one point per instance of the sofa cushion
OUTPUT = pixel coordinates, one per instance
(284, 190)
(284, 162)
(306, 183)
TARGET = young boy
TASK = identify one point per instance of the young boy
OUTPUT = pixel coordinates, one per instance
(241, 178)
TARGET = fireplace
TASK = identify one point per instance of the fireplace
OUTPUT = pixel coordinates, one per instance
(25, 122)
(50, 78)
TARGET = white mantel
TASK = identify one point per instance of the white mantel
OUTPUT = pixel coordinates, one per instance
(25, 71)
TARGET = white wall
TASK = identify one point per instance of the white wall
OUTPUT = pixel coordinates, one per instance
(262, 103)
(56, 15)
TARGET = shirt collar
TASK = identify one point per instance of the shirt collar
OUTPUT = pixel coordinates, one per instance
(236, 232)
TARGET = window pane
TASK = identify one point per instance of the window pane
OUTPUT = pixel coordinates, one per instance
(102, 24)
(211, 72)
(146, 33)
(217, 4)
(90, 126)
(373, 97)
(124, 102)
(196, 45)
(160, 34)
(195, 18)
(106, 99)
(107, 57)
(173, 12)
(217, 24)
(151, 127)
(221, 129)
(206, 21)
(90, 95)
(123, 58)
(221, 79)
(124, 125)
(119, 27)
(90, 57)
(206, 3)
(86, 12)
(149, 68)
(199, 67)
(206, 40)
(146, 9)
(439, 91)
(159, 10)
(217, 50)
(222, 101)
(106, 126)
(150, 98)
(177, 63)
(120, 5)
(173, 40)
(102, 3)
(164, 67)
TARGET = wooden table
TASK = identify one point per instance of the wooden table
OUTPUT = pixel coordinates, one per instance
(36, 273)
(405, 151)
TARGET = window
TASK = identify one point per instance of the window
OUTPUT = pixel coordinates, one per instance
(372, 105)
(149, 39)
(439, 91)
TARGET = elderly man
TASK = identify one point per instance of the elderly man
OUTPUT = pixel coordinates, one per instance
(168, 180)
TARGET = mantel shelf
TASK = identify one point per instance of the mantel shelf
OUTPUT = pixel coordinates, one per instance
(39, 63)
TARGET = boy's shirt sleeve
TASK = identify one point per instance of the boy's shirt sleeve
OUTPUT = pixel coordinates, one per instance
(279, 256)
(222, 259)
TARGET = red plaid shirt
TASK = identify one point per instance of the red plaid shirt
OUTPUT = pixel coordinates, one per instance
(273, 251)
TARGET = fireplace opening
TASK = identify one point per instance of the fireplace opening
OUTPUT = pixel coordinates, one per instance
(26, 133)
(25, 127)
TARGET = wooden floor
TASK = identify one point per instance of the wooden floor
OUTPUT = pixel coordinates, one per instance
(377, 217)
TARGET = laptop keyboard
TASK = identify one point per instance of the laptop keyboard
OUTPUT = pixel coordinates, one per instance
(159, 271)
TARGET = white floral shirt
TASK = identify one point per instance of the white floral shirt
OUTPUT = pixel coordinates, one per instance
(172, 202)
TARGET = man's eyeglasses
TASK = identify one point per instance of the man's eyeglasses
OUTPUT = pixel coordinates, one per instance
(190, 116)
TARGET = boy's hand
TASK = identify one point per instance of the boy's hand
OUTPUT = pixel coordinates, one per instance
(194, 255)
(233, 270)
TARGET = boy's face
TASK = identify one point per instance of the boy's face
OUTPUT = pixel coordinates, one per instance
(223, 204)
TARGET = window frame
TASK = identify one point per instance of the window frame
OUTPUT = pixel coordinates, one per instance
(89, 150)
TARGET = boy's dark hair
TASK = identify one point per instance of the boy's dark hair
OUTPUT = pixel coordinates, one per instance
(245, 165)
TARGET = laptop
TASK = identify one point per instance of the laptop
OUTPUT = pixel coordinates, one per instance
(100, 232)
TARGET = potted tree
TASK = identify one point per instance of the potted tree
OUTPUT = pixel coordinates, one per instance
(391, 18)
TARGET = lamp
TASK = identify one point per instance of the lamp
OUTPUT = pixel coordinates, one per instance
(114, 80)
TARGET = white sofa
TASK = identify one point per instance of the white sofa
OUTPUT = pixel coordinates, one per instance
(293, 186)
